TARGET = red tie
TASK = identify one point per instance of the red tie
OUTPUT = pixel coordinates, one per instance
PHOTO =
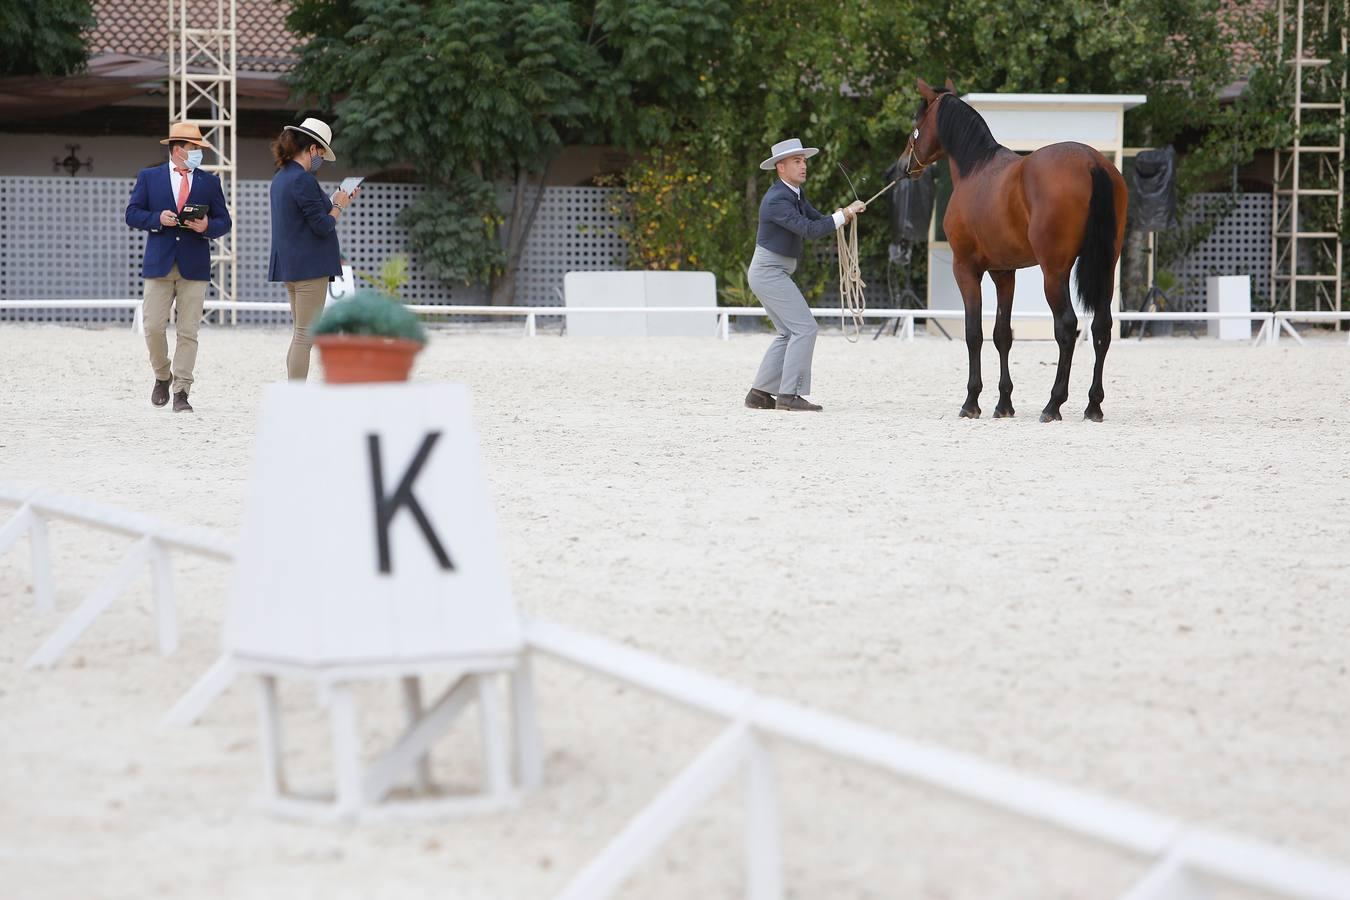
(182, 187)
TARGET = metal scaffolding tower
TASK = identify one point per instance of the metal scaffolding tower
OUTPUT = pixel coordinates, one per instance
(1309, 197)
(203, 90)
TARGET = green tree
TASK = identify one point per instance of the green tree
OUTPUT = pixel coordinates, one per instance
(480, 93)
(44, 37)
(843, 79)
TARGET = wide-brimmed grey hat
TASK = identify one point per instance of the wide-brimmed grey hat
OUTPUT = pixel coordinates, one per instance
(319, 130)
(784, 149)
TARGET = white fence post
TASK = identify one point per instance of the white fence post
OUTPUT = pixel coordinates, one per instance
(763, 842)
(412, 710)
(166, 612)
(29, 520)
(40, 560)
(529, 759)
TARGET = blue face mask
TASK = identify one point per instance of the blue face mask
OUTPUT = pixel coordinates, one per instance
(316, 162)
(194, 159)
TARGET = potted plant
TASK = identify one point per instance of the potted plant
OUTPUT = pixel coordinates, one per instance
(370, 336)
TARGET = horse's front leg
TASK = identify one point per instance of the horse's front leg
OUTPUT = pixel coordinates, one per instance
(1004, 282)
(1066, 335)
(968, 282)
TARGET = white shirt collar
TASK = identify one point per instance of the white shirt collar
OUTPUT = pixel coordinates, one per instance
(795, 190)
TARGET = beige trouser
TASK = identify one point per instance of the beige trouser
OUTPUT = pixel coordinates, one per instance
(306, 303)
(160, 294)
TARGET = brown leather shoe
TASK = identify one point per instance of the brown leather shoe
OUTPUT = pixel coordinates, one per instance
(758, 399)
(180, 403)
(796, 403)
(159, 394)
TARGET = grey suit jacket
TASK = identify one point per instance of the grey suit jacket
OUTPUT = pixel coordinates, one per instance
(786, 220)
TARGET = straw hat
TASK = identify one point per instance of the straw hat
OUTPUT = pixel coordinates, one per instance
(187, 131)
(784, 149)
(320, 131)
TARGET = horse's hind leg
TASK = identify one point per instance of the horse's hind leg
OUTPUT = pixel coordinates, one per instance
(1066, 335)
(1101, 342)
(1004, 282)
(968, 281)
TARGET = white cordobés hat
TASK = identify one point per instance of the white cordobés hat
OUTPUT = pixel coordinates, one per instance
(784, 149)
(320, 131)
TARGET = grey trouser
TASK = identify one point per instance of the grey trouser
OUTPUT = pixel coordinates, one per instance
(786, 368)
(160, 295)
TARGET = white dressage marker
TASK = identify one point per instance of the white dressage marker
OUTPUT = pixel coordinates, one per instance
(369, 551)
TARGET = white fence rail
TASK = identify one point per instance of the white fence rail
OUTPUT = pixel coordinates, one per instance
(1176, 851)
(153, 542)
(1272, 323)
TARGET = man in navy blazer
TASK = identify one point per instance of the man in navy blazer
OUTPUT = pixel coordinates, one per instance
(177, 265)
(786, 221)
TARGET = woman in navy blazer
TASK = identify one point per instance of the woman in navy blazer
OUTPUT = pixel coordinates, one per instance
(305, 251)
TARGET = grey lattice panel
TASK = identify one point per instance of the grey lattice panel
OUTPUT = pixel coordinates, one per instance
(66, 238)
(576, 229)
(1238, 245)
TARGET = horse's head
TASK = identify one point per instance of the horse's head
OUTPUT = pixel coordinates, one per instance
(924, 148)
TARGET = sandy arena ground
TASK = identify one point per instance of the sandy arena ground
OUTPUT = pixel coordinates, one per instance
(1153, 608)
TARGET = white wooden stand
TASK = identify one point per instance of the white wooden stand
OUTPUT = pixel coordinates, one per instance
(365, 792)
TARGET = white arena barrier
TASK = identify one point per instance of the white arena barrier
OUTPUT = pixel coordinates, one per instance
(1178, 853)
(153, 541)
(1271, 323)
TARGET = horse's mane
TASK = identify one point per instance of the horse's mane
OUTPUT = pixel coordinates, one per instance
(964, 134)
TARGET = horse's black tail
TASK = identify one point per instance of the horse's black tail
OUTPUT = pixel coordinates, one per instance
(1096, 257)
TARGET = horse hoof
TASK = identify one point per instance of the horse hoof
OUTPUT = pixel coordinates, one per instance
(1092, 415)
(1002, 412)
(970, 413)
(1048, 416)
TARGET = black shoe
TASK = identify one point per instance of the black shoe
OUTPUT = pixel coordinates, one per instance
(758, 399)
(796, 403)
(159, 394)
(180, 403)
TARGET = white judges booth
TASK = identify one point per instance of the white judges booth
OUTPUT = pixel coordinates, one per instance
(1027, 122)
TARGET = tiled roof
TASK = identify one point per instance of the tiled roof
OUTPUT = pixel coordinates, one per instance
(141, 28)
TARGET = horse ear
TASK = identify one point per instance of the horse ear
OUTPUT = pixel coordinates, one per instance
(925, 91)
(951, 87)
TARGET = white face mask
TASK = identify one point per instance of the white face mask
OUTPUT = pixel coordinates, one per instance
(194, 159)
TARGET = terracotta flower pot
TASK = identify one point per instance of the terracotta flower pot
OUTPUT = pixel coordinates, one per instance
(356, 358)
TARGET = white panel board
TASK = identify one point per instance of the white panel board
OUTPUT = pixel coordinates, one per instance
(1016, 129)
(1028, 294)
(606, 289)
(310, 583)
(681, 289)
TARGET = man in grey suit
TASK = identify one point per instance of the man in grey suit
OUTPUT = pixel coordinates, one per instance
(786, 220)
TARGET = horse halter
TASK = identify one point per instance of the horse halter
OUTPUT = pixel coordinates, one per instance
(913, 156)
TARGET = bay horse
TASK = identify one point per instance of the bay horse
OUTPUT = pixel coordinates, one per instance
(1064, 202)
